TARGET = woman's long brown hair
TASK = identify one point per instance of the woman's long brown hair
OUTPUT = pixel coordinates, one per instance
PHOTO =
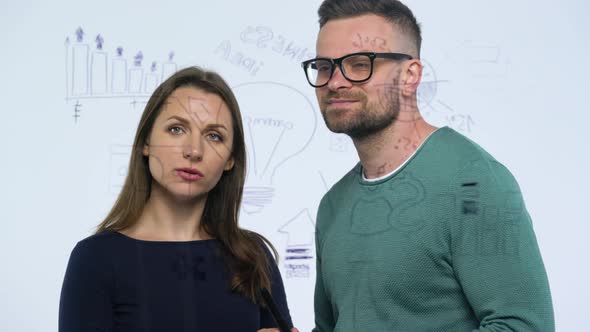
(247, 258)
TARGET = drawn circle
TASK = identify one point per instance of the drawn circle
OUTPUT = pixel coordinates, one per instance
(428, 85)
(425, 93)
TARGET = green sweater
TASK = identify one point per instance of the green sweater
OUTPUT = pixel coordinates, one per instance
(443, 244)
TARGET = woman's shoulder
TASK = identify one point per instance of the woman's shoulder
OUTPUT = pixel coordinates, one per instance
(97, 246)
(263, 242)
(104, 238)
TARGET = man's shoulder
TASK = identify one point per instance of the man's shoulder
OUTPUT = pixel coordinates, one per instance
(336, 196)
(345, 182)
(453, 150)
(457, 145)
(473, 162)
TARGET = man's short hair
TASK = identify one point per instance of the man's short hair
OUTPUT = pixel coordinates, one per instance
(392, 10)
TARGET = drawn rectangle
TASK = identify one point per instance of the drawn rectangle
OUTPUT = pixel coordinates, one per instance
(80, 53)
(120, 155)
(98, 73)
(119, 76)
(135, 80)
(168, 69)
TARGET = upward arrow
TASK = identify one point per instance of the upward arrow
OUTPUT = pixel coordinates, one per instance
(300, 229)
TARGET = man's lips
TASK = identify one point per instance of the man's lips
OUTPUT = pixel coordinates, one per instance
(340, 103)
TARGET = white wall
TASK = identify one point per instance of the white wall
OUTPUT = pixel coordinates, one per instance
(512, 75)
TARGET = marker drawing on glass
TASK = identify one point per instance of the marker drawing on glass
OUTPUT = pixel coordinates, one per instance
(300, 243)
(151, 79)
(98, 69)
(119, 163)
(136, 74)
(96, 73)
(169, 68)
(274, 135)
(119, 73)
(80, 54)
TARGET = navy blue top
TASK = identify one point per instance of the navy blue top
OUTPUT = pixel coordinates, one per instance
(116, 283)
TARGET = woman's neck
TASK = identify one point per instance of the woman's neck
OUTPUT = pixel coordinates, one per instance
(168, 218)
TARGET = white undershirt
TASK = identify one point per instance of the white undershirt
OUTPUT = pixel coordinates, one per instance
(400, 166)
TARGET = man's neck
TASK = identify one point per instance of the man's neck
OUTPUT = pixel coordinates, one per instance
(386, 150)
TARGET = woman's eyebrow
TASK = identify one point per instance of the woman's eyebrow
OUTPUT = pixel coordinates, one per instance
(179, 118)
(216, 126)
(207, 126)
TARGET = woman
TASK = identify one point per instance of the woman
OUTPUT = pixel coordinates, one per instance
(170, 255)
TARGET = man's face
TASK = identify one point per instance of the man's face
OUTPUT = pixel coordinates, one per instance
(361, 109)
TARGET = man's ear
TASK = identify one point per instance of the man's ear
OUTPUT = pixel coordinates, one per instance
(412, 77)
(229, 164)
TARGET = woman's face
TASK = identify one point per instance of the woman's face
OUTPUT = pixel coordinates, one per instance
(190, 144)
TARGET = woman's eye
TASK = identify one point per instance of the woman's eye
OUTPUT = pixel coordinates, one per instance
(215, 137)
(176, 130)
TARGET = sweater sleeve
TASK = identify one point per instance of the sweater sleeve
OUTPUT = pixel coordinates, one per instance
(324, 318)
(279, 297)
(495, 255)
(85, 303)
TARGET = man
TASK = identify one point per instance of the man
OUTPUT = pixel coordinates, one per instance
(428, 232)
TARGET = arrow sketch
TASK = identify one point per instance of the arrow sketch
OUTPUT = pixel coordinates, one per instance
(300, 230)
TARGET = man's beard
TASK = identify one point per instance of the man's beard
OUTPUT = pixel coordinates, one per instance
(370, 118)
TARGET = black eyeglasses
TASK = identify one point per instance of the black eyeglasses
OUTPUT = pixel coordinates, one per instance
(355, 67)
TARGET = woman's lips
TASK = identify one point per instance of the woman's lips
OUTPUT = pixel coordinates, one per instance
(189, 174)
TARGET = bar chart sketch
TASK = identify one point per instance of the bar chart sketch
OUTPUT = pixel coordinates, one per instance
(93, 72)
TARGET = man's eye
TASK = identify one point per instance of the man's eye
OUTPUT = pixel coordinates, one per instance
(361, 65)
(321, 66)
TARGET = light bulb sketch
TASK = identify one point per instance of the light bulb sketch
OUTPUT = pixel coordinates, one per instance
(279, 123)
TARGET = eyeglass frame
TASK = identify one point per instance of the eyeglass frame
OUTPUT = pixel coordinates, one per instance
(338, 62)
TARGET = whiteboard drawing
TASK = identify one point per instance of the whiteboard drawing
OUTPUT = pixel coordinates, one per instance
(274, 132)
(238, 58)
(483, 59)
(119, 73)
(91, 73)
(435, 110)
(79, 66)
(136, 75)
(300, 245)
(339, 143)
(120, 155)
(98, 69)
(151, 80)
